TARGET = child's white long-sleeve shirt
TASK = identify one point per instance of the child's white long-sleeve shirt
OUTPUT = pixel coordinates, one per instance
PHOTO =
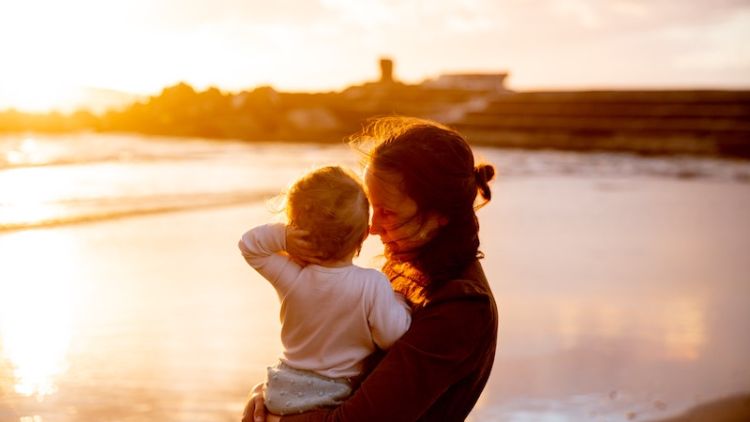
(331, 317)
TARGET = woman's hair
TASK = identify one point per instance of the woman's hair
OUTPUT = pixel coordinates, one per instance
(331, 204)
(437, 170)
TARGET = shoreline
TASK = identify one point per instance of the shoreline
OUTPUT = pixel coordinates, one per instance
(734, 408)
(652, 146)
(165, 302)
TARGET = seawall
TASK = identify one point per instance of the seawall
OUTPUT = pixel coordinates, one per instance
(650, 122)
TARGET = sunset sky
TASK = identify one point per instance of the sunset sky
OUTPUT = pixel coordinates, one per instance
(50, 48)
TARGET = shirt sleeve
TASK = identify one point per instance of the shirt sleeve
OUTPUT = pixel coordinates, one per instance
(442, 346)
(389, 316)
(263, 247)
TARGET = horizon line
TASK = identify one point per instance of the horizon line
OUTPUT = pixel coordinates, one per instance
(134, 97)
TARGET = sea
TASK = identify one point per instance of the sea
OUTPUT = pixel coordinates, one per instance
(622, 280)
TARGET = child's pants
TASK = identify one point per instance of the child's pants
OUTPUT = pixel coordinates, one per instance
(289, 390)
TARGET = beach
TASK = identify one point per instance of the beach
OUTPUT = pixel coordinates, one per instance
(622, 296)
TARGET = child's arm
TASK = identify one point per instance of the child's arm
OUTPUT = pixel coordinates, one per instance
(390, 315)
(262, 248)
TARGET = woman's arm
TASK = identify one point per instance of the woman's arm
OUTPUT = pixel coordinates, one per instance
(255, 411)
(444, 345)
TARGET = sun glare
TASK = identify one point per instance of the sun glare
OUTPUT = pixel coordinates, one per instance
(36, 96)
(41, 70)
(31, 195)
(36, 303)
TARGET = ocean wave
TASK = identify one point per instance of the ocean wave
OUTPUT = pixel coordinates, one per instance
(61, 181)
(62, 150)
(20, 152)
(80, 211)
(7, 161)
(550, 163)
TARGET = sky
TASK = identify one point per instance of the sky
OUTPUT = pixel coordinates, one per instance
(49, 49)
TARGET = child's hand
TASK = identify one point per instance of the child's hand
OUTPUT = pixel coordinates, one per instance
(299, 248)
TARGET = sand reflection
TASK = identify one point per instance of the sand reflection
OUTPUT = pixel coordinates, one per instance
(29, 194)
(675, 328)
(36, 303)
(684, 329)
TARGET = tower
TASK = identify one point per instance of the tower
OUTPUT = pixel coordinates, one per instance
(386, 70)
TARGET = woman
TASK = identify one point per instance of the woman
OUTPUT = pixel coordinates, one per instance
(422, 184)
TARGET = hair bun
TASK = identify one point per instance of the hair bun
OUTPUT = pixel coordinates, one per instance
(483, 173)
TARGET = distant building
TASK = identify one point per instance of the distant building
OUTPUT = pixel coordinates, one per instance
(386, 70)
(486, 82)
(446, 91)
(473, 82)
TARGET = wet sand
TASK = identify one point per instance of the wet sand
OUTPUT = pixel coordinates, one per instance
(620, 299)
(729, 409)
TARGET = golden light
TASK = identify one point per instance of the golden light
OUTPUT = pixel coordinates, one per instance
(25, 152)
(37, 75)
(570, 328)
(31, 194)
(37, 297)
(684, 329)
(577, 320)
(675, 328)
(36, 96)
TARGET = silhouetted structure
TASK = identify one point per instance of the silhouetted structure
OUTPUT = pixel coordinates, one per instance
(386, 70)
(656, 122)
(478, 104)
(481, 82)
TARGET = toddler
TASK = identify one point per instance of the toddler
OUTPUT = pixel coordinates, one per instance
(333, 314)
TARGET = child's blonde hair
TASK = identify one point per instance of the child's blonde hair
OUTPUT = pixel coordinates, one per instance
(331, 204)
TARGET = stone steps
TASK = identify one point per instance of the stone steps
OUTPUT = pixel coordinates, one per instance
(692, 122)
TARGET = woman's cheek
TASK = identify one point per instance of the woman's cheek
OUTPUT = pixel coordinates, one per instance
(403, 232)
